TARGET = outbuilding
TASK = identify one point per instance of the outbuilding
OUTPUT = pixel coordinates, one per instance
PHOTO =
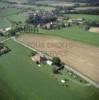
(49, 62)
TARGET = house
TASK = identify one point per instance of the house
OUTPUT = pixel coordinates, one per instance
(5, 30)
(39, 58)
(60, 18)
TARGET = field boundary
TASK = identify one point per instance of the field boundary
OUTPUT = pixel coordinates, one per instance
(5, 40)
(66, 66)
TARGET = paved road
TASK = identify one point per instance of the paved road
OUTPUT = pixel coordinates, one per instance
(66, 66)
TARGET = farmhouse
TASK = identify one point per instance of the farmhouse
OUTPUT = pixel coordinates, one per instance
(8, 29)
(39, 58)
(48, 25)
(5, 30)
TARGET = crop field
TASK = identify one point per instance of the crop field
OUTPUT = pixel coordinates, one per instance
(21, 79)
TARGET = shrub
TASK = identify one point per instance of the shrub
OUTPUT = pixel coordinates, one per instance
(55, 70)
(87, 27)
(34, 53)
(56, 61)
(1, 45)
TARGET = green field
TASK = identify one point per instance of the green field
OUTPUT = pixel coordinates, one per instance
(77, 33)
(21, 79)
(85, 16)
(16, 14)
(74, 33)
(2, 38)
(4, 23)
(5, 14)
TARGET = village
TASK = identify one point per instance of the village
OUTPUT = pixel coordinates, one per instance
(49, 21)
(45, 20)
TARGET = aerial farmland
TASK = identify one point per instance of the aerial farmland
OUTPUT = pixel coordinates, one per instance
(49, 50)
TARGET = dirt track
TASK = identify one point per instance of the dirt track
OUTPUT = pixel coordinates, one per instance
(82, 57)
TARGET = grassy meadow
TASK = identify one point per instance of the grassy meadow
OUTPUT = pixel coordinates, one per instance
(2, 38)
(74, 33)
(85, 16)
(21, 79)
(16, 13)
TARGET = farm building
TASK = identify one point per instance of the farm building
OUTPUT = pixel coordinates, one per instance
(3, 31)
(39, 58)
(3, 49)
(60, 18)
(49, 62)
(8, 29)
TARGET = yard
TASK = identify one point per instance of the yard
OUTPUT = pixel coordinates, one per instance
(21, 79)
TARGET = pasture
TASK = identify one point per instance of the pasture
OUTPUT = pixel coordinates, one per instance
(21, 79)
(2, 38)
(17, 13)
(75, 33)
(85, 16)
